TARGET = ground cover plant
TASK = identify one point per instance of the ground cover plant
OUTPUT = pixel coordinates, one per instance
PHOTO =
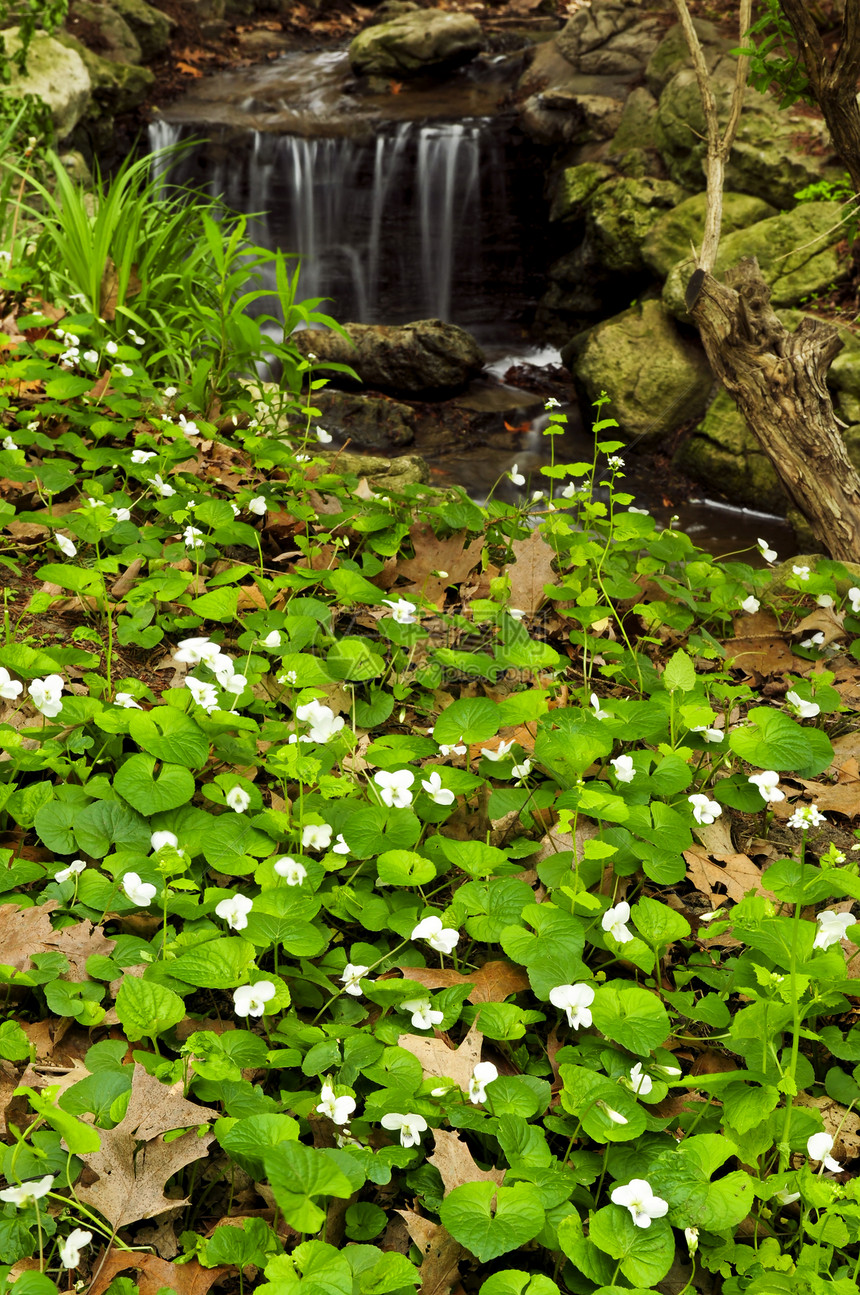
(399, 893)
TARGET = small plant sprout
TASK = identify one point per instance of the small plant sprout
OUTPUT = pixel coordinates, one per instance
(575, 1001)
(338, 1109)
(769, 554)
(438, 794)
(139, 892)
(623, 767)
(352, 973)
(234, 911)
(439, 937)
(424, 1016)
(806, 816)
(831, 928)
(768, 784)
(402, 610)
(410, 1127)
(613, 922)
(483, 1074)
(393, 787)
(316, 836)
(639, 1199)
(818, 1147)
(705, 810)
(516, 476)
(70, 1249)
(250, 1000)
(291, 870)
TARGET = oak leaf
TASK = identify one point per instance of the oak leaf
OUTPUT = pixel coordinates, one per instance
(492, 983)
(441, 1062)
(736, 872)
(25, 931)
(456, 1164)
(434, 554)
(157, 1274)
(530, 570)
(439, 1271)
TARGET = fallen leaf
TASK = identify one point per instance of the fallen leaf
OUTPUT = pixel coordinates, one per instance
(821, 621)
(491, 983)
(439, 1270)
(842, 1125)
(77, 943)
(130, 1179)
(456, 1164)
(736, 872)
(25, 931)
(157, 1274)
(434, 554)
(441, 1062)
(530, 570)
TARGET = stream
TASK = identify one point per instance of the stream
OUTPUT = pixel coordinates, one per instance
(422, 201)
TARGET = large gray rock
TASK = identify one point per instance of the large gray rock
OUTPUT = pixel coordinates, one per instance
(115, 40)
(669, 239)
(611, 38)
(150, 26)
(620, 215)
(656, 379)
(429, 40)
(638, 122)
(367, 422)
(672, 54)
(56, 75)
(796, 251)
(776, 152)
(427, 355)
(561, 117)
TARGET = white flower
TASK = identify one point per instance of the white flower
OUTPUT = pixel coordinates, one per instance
(439, 937)
(516, 476)
(639, 1081)
(831, 929)
(272, 640)
(235, 911)
(615, 1116)
(768, 784)
(9, 687)
(520, 771)
(188, 427)
(142, 456)
(27, 1193)
(258, 505)
(204, 694)
(75, 868)
(854, 599)
(575, 1001)
(709, 734)
(111, 348)
(514, 612)
(500, 752)
(769, 555)
(670, 1072)
(340, 846)
(191, 535)
(323, 436)
(91, 357)
(394, 787)
(595, 703)
(250, 1000)
(124, 371)
(571, 490)
(803, 572)
(623, 766)
(705, 811)
(806, 816)
(643, 512)
(613, 922)
(785, 1197)
(402, 610)
(438, 794)
(484, 1073)
(293, 872)
(824, 600)
(338, 1109)
(9, 444)
(136, 337)
(290, 678)
(458, 748)
(750, 605)
(46, 695)
(159, 840)
(139, 892)
(551, 403)
(411, 1127)
(691, 1236)
(316, 836)
(803, 709)
(352, 973)
(818, 1147)
(815, 640)
(639, 1199)
(169, 393)
(615, 462)
(126, 701)
(121, 514)
(237, 799)
(424, 1016)
(161, 487)
(322, 719)
(222, 667)
(70, 1249)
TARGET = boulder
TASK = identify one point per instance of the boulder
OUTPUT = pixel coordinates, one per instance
(670, 237)
(428, 40)
(151, 27)
(116, 87)
(656, 379)
(671, 55)
(796, 250)
(580, 292)
(638, 121)
(391, 9)
(368, 422)
(723, 453)
(620, 215)
(562, 117)
(776, 152)
(575, 187)
(611, 38)
(105, 31)
(56, 75)
(424, 356)
(382, 474)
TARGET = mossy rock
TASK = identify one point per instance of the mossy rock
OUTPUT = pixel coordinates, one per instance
(638, 122)
(118, 42)
(672, 54)
(621, 214)
(796, 251)
(55, 74)
(723, 454)
(116, 87)
(656, 378)
(427, 40)
(668, 241)
(575, 187)
(151, 27)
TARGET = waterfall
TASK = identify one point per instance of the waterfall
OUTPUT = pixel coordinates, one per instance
(388, 229)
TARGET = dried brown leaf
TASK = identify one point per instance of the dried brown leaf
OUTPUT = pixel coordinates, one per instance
(736, 872)
(434, 554)
(456, 1164)
(77, 943)
(439, 1268)
(491, 983)
(156, 1274)
(25, 931)
(530, 570)
(440, 1061)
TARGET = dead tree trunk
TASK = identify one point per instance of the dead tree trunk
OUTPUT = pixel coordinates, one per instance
(778, 380)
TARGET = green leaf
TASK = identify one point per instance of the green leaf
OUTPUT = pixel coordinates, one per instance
(404, 868)
(680, 673)
(592, 1097)
(217, 604)
(645, 1254)
(490, 1220)
(247, 1140)
(14, 1044)
(365, 1221)
(297, 1174)
(217, 964)
(136, 782)
(515, 1282)
(770, 740)
(106, 823)
(54, 823)
(657, 923)
(147, 1009)
(170, 735)
(474, 719)
(630, 1016)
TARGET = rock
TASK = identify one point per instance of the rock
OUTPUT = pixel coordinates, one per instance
(611, 38)
(76, 168)
(429, 40)
(796, 251)
(116, 87)
(56, 75)
(638, 121)
(580, 292)
(655, 378)
(114, 40)
(151, 27)
(382, 473)
(558, 117)
(723, 453)
(671, 55)
(620, 215)
(669, 238)
(368, 422)
(776, 153)
(391, 9)
(575, 187)
(424, 356)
